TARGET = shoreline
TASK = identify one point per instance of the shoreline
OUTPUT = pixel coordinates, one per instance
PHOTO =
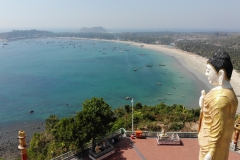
(187, 60)
(195, 64)
(9, 134)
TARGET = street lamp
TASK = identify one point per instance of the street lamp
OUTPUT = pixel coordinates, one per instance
(132, 115)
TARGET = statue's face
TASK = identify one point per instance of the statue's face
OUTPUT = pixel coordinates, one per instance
(212, 75)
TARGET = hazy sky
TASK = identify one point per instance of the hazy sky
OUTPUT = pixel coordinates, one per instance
(122, 14)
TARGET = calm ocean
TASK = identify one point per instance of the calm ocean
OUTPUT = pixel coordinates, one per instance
(54, 76)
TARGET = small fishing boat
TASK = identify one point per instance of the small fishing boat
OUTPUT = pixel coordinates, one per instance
(149, 65)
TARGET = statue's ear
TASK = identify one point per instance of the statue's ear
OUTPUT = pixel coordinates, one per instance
(221, 75)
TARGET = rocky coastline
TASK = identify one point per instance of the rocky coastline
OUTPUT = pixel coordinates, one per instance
(9, 138)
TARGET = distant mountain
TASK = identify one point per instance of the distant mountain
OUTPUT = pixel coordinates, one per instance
(93, 29)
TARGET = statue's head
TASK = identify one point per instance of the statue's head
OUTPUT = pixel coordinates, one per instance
(219, 67)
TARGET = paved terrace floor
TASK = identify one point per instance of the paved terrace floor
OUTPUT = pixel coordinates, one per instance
(141, 149)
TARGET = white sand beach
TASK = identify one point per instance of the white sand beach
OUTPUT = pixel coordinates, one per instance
(195, 64)
(192, 62)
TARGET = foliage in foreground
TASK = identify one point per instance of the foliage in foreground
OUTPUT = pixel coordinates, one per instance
(97, 119)
(62, 135)
(153, 118)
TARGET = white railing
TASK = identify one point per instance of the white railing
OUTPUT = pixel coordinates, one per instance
(154, 134)
(89, 145)
(122, 131)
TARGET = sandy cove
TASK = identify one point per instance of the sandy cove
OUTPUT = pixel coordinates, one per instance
(192, 62)
(195, 64)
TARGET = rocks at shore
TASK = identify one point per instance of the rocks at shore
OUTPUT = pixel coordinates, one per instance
(8, 138)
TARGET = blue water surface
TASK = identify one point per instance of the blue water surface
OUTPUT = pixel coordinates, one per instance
(54, 76)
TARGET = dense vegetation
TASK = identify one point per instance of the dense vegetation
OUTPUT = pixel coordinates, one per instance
(108, 36)
(207, 47)
(97, 119)
(203, 44)
(62, 135)
(153, 118)
(148, 37)
(20, 34)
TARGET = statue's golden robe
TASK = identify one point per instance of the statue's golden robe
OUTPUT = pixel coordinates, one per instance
(216, 123)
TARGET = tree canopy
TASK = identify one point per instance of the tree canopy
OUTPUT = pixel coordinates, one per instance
(95, 120)
(96, 117)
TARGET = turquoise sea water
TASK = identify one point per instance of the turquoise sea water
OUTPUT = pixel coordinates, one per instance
(54, 76)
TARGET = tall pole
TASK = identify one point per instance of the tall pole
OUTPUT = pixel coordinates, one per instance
(22, 144)
(132, 115)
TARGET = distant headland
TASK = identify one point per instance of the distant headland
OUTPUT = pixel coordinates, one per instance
(93, 29)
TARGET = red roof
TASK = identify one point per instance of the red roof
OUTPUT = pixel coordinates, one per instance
(138, 149)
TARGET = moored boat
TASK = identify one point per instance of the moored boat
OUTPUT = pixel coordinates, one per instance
(149, 65)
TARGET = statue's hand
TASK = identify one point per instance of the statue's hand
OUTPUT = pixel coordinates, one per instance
(208, 156)
(201, 99)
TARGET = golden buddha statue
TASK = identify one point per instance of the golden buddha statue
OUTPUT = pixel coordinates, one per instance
(218, 109)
